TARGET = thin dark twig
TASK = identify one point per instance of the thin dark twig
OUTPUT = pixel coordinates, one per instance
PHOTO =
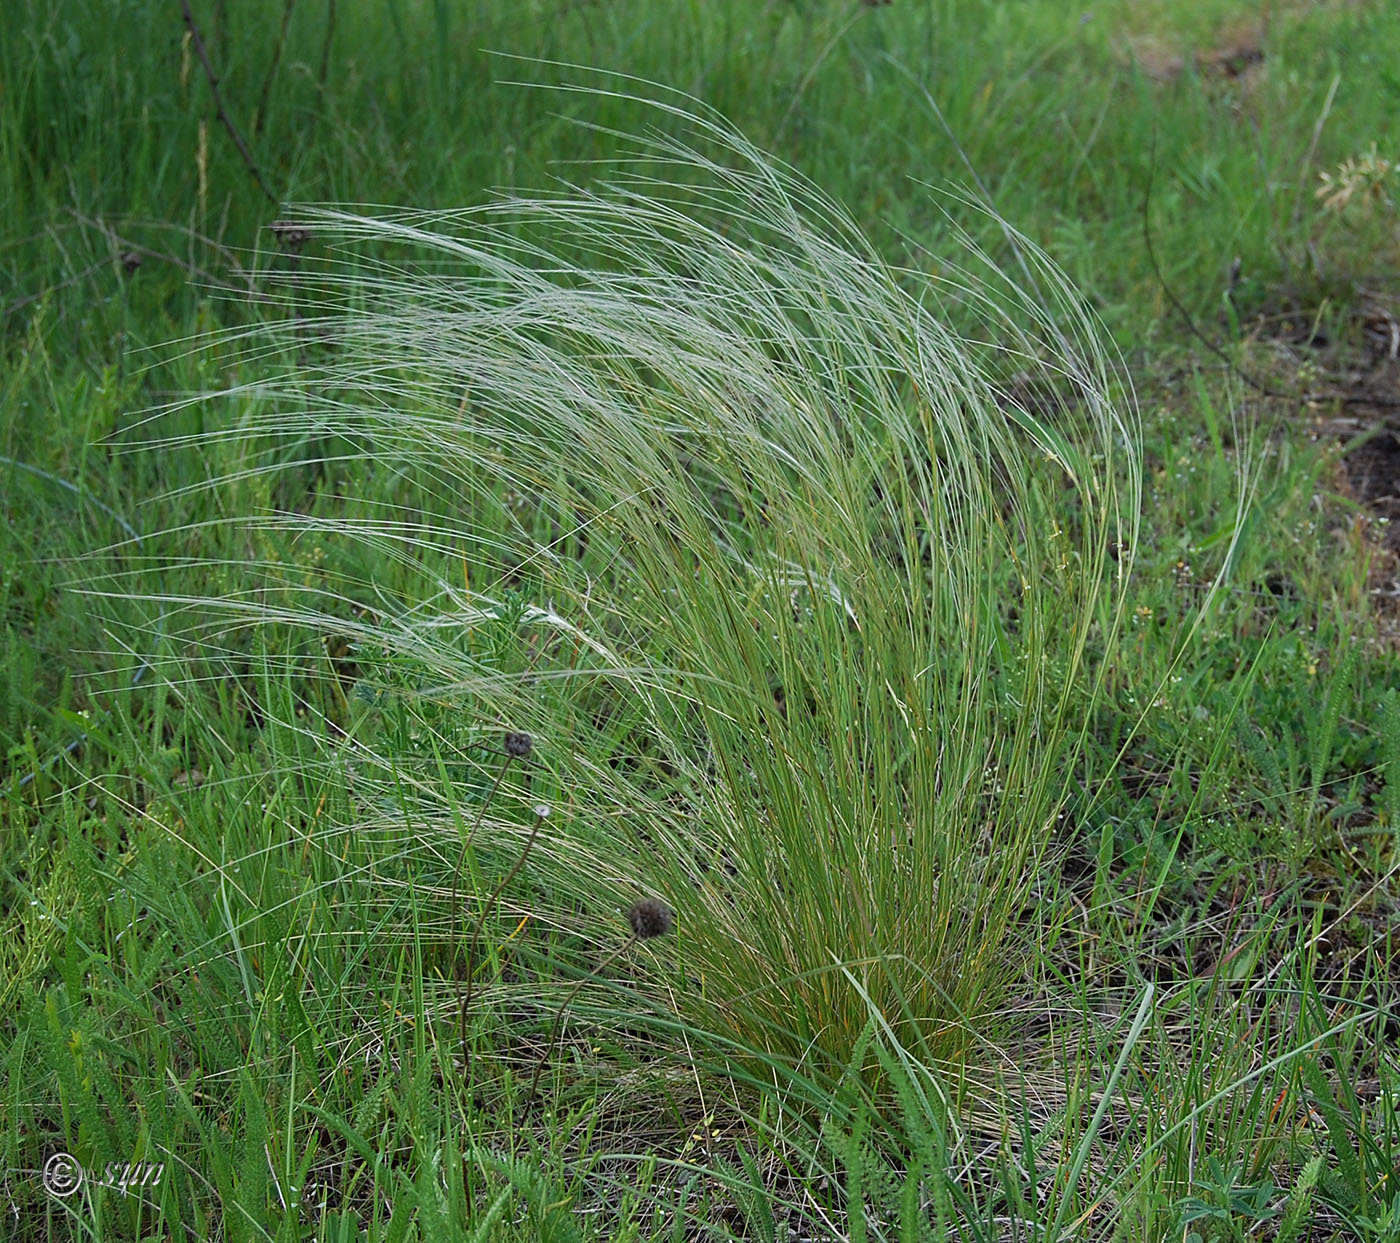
(1176, 302)
(127, 247)
(466, 845)
(481, 923)
(21, 303)
(266, 93)
(323, 73)
(649, 918)
(169, 226)
(227, 121)
(1375, 400)
(126, 244)
(567, 1002)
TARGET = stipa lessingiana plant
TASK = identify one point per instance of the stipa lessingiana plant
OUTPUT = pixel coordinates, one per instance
(812, 557)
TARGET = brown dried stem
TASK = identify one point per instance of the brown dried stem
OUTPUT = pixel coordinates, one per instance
(266, 93)
(466, 995)
(227, 121)
(648, 918)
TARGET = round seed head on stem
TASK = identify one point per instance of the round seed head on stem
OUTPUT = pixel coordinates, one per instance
(650, 918)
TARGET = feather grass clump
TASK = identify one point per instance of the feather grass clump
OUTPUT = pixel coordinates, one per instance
(795, 565)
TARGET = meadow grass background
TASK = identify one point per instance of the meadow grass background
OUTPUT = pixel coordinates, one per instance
(236, 893)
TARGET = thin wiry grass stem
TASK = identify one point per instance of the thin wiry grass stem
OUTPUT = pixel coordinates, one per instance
(466, 998)
(466, 846)
(648, 918)
(565, 1004)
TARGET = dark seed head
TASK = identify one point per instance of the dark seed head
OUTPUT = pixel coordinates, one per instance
(518, 746)
(291, 234)
(650, 918)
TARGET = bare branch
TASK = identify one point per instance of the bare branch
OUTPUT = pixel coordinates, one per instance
(227, 121)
